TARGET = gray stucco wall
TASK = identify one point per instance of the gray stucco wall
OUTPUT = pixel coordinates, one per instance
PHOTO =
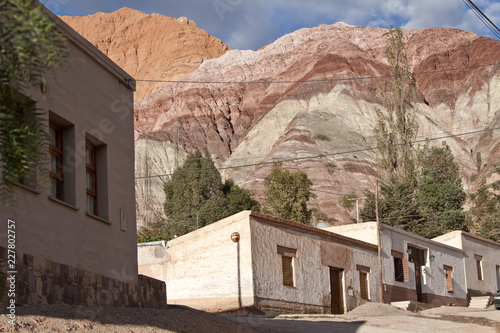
(490, 265)
(315, 254)
(477, 246)
(90, 98)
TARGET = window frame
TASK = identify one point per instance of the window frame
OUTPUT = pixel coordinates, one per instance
(91, 169)
(287, 269)
(401, 273)
(448, 271)
(364, 273)
(287, 265)
(58, 152)
(479, 267)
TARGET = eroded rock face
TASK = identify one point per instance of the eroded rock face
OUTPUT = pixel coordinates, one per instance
(310, 93)
(149, 46)
(303, 96)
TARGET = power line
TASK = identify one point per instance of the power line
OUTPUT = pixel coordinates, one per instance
(322, 155)
(429, 135)
(318, 80)
(489, 24)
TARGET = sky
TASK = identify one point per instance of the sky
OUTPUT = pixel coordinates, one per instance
(250, 24)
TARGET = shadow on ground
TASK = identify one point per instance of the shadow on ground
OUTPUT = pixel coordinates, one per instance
(86, 318)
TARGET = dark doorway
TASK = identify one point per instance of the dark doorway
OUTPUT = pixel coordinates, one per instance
(417, 256)
(336, 289)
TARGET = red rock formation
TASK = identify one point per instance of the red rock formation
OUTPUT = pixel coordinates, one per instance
(149, 46)
(310, 93)
(268, 105)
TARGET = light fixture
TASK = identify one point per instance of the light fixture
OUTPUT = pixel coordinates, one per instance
(409, 251)
(432, 257)
(235, 237)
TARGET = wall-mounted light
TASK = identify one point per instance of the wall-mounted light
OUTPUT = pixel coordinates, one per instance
(409, 251)
(235, 237)
(432, 257)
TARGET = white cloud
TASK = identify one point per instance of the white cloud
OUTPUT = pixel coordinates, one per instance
(250, 24)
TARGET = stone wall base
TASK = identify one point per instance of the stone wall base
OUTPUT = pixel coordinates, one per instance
(396, 294)
(41, 281)
(273, 306)
(437, 300)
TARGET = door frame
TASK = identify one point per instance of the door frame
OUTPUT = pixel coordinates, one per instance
(336, 283)
(417, 257)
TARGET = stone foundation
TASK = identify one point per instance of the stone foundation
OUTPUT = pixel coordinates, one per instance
(41, 281)
(273, 307)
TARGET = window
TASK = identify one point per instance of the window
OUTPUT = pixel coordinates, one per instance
(479, 266)
(400, 267)
(286, 263)
(287, 259)
(449, 278)
(363, 280)
(91, 178)
(56, 171)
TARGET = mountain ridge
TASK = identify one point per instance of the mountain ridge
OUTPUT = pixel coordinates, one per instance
(149, 47)
(251, 107)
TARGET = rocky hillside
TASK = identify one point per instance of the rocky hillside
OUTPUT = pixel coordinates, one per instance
(314, 93)
(149, 46)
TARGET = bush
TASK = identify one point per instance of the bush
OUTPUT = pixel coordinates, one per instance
(321, 137)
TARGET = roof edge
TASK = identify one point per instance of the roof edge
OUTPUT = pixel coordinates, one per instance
(309, 229)
(468, 234)
(124, 78)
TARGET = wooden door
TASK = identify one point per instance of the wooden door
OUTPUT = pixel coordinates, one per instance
(336, 290)
(417, 257)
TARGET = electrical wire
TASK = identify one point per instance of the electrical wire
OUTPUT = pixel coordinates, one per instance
(359, 78)
(322, 155)
(487, 22)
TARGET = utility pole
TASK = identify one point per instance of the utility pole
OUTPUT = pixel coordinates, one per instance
(357, 210)
(379, 246)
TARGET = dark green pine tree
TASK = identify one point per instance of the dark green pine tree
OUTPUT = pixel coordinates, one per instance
(196, 196)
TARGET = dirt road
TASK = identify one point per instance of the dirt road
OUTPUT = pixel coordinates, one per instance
(375, 318)
(371, 317)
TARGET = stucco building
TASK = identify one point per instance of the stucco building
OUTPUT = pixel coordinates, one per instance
(77, 227)
(250, 260)
(481, 260)
(414, 268)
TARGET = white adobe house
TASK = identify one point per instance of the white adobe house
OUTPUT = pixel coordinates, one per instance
(257, 262)
(481, 260)
(414, 268)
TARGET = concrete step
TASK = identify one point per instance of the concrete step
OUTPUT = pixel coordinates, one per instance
(402, 304)
(481, 302)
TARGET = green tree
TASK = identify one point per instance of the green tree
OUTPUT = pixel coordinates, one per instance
(30, 46)
(434, 208)
(196, 196)
(396, 127)
(440, 194)
(367, 212)
(484, 214)
(287, 194)
(395, 131)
